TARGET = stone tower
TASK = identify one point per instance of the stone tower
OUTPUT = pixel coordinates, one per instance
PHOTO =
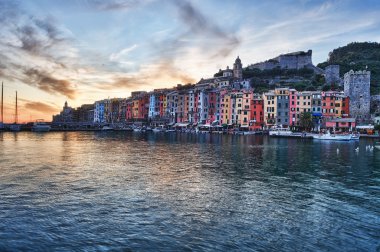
(238, 69)
(357, 87)
(332, 75)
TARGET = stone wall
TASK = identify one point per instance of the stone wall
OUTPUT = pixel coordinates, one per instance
(296, 60)
(332, 74)
(375, 105)
(357, 87)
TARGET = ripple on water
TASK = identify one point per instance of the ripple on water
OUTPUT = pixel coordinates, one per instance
(178, 192)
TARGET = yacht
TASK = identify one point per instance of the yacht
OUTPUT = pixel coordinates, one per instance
(336, 137)
(40, 126)
(280, 131)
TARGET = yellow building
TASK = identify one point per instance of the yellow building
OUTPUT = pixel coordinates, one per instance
(245, 115)
(304, 104)
(225, 107)
(270, 108)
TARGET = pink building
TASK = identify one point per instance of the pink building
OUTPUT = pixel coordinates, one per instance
(341, 124)
(293, 107)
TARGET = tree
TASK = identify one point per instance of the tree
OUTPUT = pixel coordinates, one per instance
(306, 121)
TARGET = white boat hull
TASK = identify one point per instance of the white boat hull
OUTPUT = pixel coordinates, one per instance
(280, 132)
(333, 137)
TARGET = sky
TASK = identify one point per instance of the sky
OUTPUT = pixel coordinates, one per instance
(80, 51)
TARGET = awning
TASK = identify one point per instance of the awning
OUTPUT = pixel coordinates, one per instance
(365, 127)
(182, 124)
(171, 124)
(317, 114)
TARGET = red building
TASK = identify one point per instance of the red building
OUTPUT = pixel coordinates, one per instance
(328, 104)
(212, 106)
(257, 113)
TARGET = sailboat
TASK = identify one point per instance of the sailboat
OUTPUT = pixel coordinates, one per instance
(2, 108)
(15, 126)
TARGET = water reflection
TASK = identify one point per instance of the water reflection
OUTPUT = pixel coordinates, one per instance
(122, 190)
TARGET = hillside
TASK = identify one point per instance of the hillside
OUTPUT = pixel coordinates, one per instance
(358, 56)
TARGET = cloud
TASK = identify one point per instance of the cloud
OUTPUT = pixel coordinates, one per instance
(31, 44)
(223, 42)
(123, 53)
(111, 5)
(48, 83)
(40, 107)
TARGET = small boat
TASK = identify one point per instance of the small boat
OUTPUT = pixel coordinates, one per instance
(377, 145)
(40, 126)
(335, 137)
(355, 136)
(107, 128)
(158, 129)
(15, 127)
(280, 131)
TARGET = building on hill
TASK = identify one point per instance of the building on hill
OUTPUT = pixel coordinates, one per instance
(66, 115)
(228, 72)
(294, 60)
(357, 87)
(238, 69)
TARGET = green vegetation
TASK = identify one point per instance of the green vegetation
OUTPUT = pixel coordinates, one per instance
(358, 56)
(219, 74)
(306, 121)
(288, 73)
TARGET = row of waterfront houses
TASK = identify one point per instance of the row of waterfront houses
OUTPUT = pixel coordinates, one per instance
(230, 100)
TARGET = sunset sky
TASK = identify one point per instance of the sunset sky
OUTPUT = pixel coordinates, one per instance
(86, 50)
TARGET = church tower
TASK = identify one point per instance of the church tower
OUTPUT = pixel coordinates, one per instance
(238, 69)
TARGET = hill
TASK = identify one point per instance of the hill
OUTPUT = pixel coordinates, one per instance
(357, 56)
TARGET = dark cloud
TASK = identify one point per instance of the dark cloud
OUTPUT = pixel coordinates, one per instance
(213, 37)
(48, 83)
(36, 40)
(112, 4)
(40, 107)
(39, 35)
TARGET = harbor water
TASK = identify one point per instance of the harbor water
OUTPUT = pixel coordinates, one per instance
(128, 191)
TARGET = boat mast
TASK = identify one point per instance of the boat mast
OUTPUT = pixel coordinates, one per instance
(2, 103)
(16, 114)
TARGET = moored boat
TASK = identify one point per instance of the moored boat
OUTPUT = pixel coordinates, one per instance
(107, 128)
(355, 136)
(15, 127)
(377, 145)
(336, 137)
(280, 131)
(40, 126)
